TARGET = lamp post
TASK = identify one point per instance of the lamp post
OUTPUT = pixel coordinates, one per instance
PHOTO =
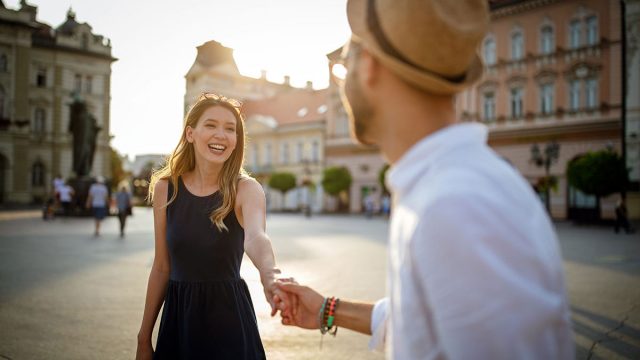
(546, 159)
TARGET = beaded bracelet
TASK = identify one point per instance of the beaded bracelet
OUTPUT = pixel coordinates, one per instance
(326, 317)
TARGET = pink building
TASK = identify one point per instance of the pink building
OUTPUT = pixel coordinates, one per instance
(552, 81)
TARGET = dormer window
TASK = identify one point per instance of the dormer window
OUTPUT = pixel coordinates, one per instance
(85, 41)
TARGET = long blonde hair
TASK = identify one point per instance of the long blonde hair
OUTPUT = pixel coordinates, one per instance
(183, 158)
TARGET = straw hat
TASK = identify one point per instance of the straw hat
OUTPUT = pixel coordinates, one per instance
(431, 44)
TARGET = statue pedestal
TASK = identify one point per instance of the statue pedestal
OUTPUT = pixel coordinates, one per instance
(81, 188)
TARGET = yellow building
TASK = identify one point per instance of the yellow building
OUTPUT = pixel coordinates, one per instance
(41, 68)
(286, 134)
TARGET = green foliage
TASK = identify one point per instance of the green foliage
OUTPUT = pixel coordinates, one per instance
(381, 176)
(598, 173)
(117, 173)
(335, 180)
(283, 182)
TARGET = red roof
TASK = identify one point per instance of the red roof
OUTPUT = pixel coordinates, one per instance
(294, 106)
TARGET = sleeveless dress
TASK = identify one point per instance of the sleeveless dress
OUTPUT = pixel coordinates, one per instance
(208, 313)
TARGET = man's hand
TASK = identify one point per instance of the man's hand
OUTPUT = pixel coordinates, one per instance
(305, 305)
(278, 299)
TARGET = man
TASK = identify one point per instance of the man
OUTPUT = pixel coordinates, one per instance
(98, 199)
(475, 271)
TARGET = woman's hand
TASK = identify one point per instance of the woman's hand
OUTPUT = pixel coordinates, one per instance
(144, 350)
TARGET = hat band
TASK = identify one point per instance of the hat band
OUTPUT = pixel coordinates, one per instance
(385, 45)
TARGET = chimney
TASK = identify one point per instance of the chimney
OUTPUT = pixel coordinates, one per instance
(287, 80)
(309, 85)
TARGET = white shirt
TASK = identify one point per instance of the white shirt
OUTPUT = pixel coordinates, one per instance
(99, 194)
(58, 183)
(65, 192)
(475, 270)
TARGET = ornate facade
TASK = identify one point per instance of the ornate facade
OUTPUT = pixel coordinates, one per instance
(41, 70)
(552, 81)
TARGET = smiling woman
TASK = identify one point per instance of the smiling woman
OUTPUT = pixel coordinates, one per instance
(207, 213)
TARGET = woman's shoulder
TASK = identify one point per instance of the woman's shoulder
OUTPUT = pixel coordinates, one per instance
(249, 187)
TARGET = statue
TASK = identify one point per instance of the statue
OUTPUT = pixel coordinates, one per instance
(85, 130)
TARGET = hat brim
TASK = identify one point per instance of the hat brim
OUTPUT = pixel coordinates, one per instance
(357, 16)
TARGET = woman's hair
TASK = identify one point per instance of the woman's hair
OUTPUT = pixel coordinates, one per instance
(183, 158)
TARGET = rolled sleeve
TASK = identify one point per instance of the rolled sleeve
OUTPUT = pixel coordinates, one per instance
(379, 317)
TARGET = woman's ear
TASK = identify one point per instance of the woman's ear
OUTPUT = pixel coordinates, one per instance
(189, 134)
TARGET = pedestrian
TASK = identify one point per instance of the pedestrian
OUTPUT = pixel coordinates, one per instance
(369, 204)
(474, 266)
(123, 203)
(98, 201)
(208, 212)
(386, 205)
(622, 221)
(58, 182)
(66, 194)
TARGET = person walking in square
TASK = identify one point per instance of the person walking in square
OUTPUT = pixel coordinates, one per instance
(474, 266)
(123, 203)
(98, 201)
(207, 214)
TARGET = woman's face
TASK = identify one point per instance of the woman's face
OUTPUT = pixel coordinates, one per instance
(214, 137)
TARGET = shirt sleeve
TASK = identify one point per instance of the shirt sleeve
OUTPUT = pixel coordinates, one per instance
(379, 324)
(486, 283)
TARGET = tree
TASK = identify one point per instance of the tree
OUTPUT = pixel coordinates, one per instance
(282, 182)
(598, 173)
(381, 177)
(335, 180)
(117, 172)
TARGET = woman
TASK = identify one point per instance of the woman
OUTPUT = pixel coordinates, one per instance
(207, 213)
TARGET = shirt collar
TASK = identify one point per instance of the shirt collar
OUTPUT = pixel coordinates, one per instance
(423, 153)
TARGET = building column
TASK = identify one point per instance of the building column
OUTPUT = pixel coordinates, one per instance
(632, 133)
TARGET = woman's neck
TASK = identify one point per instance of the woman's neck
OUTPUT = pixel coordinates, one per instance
(203, 178)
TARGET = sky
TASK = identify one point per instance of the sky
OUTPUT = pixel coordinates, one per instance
(155, 43)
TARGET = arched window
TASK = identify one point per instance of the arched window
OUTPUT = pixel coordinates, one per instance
(489, 51)
(37, 174)
(592, 93)
(517, 45)
(516, 102)
(315, 152)
(546, 98)
(575, 32)
(547, 43)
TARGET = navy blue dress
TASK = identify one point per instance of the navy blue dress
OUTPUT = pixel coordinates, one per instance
(208, 313)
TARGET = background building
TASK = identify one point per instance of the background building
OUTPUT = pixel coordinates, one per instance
(364, 162)
(41, 68)
(553, 80)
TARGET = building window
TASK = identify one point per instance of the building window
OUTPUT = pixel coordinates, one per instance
(592, 30)
(489, 51)
(3, 63)
(489, 106)
(574, 95)
(592, 93)
(78, 83)
(89, 84)
(516, 103)
(517, 46)
(37, 174)
(315, 151)
(546, 40)
(575, 30)
(284, 157)
(546, 98)
(41, 77)
(39, 121)
(300, 152)
(267, 154)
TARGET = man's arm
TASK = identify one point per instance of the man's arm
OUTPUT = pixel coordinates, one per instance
(353, 315)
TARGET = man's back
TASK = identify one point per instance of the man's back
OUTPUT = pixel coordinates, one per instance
(474, 255)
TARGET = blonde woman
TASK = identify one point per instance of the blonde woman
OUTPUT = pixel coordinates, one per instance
(207, 213)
